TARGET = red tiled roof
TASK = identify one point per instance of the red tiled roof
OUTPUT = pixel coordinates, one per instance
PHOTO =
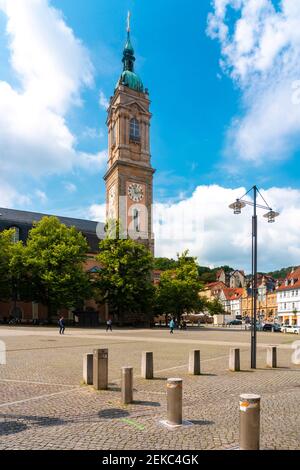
(220, 284)
(233, 293)
(295, 274)
(291, 276)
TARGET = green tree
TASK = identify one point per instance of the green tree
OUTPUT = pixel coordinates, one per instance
(51, 265)
(6, 254)
(215, 307)
(164, 264)
(178, 290)
(124, 281)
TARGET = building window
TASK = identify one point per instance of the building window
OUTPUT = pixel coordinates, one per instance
(134, 130)
(113, 136)
(16, 234)
(136, 220)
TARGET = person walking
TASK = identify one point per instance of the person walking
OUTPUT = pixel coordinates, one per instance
(172, 326)
(62, 326)
(109, 325)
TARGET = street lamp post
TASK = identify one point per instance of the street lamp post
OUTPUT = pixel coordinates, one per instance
(237, 207)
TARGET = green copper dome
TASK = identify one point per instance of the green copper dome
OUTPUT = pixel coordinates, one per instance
(132, 80)
(129, 78)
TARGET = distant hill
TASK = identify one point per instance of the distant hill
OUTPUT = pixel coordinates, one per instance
(281, 273)
(209, 275)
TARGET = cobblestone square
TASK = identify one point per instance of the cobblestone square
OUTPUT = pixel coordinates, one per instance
(44, 405)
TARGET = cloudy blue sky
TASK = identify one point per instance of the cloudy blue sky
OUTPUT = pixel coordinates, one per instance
(224, 82)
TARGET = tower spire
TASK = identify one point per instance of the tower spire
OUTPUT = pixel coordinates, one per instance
(128, 53)
(129, 77)
(128, 21)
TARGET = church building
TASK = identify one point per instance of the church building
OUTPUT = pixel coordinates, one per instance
(129, 187)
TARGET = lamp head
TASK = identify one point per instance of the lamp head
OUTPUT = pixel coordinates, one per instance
(237, 206)
(271, 216)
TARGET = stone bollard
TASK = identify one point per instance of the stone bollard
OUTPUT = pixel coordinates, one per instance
(194, 362)
(147, 365)
(127, 385)
(249, 422)
(100, 369)
(234, 360)
(88, 369)
(174, 401)
(272, 356)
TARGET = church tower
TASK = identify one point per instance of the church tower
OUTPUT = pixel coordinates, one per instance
(129, 178)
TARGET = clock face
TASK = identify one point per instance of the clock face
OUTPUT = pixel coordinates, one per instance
(135, 192)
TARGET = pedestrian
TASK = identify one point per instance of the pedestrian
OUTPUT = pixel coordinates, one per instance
(61, 324)
(172, 326)
(109, 325)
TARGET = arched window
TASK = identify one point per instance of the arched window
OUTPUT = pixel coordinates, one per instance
(136, 219)
(134, 129)
(16, 234)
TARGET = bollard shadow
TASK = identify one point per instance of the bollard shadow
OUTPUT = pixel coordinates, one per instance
(113, 413)
(201, 422)
(146, 403)
(205, 375)
(159, 378)
(273, 368)
(113, 387)
(12, 427)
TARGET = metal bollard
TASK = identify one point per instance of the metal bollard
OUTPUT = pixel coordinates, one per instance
(88, 369)
(100, 369)
(174, 401)
(234, 360)
(126, 385)
(194, 362)
(249, 422)
(147, 365)
(272, 356)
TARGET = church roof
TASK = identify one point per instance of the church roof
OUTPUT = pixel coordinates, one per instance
(24, 221)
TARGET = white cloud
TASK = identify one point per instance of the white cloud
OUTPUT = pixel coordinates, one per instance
(103, 101)
(70, 187)
(50, 66)
(205, 225)
(10, 196)
(97, 212)
(260, 47)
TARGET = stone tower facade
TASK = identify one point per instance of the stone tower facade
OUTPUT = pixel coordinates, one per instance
(129, 178)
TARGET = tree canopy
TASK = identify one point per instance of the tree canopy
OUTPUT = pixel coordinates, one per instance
(51, 265)
(178, 290)
(124, 280)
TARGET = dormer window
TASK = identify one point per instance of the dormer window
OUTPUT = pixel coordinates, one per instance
(135, 130)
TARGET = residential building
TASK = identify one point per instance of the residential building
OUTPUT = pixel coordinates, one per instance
(232, 279)
(288, 299)
(232, 301)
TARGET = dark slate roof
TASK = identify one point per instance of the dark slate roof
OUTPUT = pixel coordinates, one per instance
(24, 221)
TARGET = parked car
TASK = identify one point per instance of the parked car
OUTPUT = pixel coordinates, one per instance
(272, 327)
(290, 329)
(234, 322)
